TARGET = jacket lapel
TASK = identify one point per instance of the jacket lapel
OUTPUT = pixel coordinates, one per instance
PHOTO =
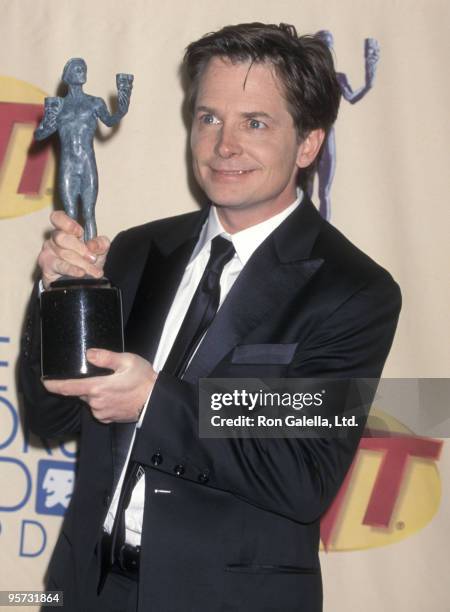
(160, 279)
(276, 273)
(162, 273)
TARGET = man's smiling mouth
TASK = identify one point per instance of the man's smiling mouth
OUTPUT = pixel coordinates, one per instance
(225, 172)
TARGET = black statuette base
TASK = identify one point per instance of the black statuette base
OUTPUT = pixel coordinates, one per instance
(77, 315)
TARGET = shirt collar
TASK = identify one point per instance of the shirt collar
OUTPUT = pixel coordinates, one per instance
(246, 241)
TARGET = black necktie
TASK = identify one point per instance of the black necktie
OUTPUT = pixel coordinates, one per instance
(202, 308)
(198, 318)
(132, 475)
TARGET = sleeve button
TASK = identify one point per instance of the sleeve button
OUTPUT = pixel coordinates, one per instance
(157, 459)
(179, 470)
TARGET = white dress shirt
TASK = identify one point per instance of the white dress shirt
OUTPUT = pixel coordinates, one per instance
(245, 243)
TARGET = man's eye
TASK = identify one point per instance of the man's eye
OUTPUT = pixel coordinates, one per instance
(209, 119)
(255, 124)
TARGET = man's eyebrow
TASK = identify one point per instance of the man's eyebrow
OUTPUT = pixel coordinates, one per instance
(204, 109)
(253, 114)
(246, 115)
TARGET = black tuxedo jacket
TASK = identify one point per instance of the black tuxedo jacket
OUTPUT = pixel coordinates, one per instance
(240, 528)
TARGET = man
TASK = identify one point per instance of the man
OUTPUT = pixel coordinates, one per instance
(216, 524)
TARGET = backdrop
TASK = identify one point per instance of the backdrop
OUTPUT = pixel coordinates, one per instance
(388, 196)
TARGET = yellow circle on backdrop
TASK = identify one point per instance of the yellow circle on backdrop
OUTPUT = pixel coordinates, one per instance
(417, 502)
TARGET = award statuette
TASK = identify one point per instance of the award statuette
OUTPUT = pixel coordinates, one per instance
(79, 313)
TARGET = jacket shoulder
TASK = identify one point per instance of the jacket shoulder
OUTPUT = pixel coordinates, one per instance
(159, 227)
(131, 246)
(346, 260)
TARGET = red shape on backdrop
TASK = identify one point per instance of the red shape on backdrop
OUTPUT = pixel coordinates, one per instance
(12, 113)
(397, 451)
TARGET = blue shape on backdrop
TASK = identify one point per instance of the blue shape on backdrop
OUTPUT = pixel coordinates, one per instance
(327, 163)
(54, 486)
(27, 491)
(15, 421)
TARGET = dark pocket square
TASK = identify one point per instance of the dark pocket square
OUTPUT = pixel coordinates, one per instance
(264, 353)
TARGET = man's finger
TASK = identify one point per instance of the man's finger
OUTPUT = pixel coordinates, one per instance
(69, 242)
(77, 387)
(65, 268)
(63, 222)
(105, 359)
(69, 259)
(99, 245)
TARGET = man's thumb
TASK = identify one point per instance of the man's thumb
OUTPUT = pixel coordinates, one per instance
(103, 358)
(98, 245)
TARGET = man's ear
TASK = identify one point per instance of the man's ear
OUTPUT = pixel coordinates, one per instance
(309, 148)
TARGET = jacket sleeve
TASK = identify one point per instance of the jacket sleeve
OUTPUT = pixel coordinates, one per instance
(46, 414)
(296, 478)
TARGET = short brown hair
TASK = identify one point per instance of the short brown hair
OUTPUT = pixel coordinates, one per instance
(303, 64)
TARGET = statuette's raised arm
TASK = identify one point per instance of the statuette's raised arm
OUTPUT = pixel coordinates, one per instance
(124, 88)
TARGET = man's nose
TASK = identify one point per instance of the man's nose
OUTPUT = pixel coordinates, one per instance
(228, 142)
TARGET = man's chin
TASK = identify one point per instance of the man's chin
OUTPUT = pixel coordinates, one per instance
(226, 198)
(221, 203)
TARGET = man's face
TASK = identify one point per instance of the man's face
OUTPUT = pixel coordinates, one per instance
(245, 148)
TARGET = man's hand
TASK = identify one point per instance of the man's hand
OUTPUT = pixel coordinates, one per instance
(118, 397)
(65, 253)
